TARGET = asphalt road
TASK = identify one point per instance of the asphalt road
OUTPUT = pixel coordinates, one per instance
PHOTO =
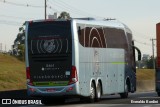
(135, 100)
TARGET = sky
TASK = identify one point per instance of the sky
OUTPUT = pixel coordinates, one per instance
(140, 16)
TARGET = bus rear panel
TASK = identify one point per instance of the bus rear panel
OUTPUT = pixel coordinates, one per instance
(49, 49)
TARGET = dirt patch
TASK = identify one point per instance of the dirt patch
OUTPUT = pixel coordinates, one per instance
(145, 85)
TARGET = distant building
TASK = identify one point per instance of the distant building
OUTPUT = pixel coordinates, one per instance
(55, 16)
(145, 57)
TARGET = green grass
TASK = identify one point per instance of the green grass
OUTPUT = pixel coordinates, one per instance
(12, 73)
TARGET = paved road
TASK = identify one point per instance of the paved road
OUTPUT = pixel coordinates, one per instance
(106, 101)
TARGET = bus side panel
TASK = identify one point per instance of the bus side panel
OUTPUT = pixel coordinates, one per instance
(96, 61)
(85, 70)
(108, 66)
(112, 70)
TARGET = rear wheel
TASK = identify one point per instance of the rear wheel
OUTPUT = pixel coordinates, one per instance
(92, 96)
(98, 92)
(125, 94)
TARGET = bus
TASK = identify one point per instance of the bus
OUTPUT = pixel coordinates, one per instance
(82, 57)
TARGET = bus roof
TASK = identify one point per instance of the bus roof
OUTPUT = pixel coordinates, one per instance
(113, 23)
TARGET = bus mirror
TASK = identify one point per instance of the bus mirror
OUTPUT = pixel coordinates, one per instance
(139, 57)
(139, 52)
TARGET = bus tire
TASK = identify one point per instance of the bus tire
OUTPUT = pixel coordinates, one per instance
(92, 96)
(98, 91)
(125, 94)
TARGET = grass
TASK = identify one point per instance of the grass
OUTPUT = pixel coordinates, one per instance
(12, 73)
(145, 74)
(13, 76)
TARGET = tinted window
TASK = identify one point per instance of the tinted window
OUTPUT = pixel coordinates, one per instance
(49, 37)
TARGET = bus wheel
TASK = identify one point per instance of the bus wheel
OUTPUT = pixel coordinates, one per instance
(98, 92)
(158, 94)
(125, 94)
(92, 93)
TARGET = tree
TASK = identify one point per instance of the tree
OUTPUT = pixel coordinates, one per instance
(150, 64)
(19, 43)
(64, 15)
(21, 35)
(21, 49)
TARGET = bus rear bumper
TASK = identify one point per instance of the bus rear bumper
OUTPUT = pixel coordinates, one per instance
(55, 91)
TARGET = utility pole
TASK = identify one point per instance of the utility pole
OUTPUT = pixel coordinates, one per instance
(153, 52)
(45, 10)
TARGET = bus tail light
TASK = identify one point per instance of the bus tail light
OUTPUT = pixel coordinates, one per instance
(28, 76)
(74, 77)
(69, 89)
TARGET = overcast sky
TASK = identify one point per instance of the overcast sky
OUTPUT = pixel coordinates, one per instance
(140, 16)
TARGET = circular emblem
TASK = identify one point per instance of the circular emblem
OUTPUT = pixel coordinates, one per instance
(49, 45)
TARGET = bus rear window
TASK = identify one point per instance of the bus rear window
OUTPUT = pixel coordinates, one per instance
(49, 37)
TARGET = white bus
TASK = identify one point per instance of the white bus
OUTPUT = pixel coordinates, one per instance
(79, 57)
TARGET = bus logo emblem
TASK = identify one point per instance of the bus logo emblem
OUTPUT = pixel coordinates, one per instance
(49, 45)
